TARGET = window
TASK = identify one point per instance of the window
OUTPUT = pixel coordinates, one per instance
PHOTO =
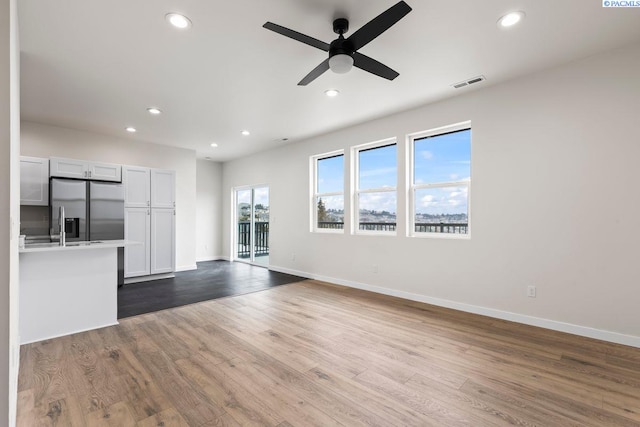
(440, 181)
(328, 192)
(376, 176)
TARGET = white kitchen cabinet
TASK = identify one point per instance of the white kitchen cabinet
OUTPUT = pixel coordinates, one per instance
(137, 260)
(82, 169)
(145, 189)
(163, 232)
(68, 168)
(34, 181)
(163, 189)
(105, 172)
(137, 186)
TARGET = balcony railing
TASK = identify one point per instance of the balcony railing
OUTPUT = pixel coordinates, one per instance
(447, 228)
(261, 239)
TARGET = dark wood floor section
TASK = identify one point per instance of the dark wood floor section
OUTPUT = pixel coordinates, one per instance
(212, 279)
(312, 354)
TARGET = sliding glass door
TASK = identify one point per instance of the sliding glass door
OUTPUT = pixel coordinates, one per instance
(252, 225)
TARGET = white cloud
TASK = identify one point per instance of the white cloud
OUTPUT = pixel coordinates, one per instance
(378, 201)
(427, 201)
(377, 172)
(427, 155)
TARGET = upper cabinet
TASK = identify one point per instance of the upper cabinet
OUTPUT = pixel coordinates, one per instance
(137, 186)
(68, 168)
(163, 188)
(34, 181)
(105, 172)
(81, 169)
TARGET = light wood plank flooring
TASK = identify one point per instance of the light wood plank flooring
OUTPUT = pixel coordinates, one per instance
(322, 355)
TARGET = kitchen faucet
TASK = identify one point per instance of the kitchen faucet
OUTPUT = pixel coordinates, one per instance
(62, 221)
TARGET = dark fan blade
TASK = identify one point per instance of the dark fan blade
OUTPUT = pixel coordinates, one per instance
(371, 65)
(378, 25)
(315, 73)
(297, 36)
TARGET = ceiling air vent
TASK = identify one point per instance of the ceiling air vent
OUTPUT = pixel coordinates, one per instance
(468, 82)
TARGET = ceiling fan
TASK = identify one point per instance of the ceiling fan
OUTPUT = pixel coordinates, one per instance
(343, 52)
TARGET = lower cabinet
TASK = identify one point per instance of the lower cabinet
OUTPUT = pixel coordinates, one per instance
(154, 230)
(137, 259)
(163, 226)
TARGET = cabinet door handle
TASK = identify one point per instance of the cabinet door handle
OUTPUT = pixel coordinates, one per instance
(147, 211)
(89, 174)
(148, 203)
(174, 212)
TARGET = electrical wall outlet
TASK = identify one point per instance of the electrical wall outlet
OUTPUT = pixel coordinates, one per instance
(531, 291)
(293, 257)
(374, 268)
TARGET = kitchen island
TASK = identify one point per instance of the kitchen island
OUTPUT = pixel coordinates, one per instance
(67, 289)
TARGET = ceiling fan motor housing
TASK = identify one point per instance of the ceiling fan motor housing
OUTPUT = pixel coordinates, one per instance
(340, 26)
(340, 46)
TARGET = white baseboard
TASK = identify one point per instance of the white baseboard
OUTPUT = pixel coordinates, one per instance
(212, 258)
(139, 279)
(69, 333)
(585, 331)
(186, 267)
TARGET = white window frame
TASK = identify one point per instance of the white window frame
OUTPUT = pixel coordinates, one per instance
(315, 194)
(355, 179)
(412, 187)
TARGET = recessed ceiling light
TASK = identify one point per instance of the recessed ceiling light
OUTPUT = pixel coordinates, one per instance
(154, 111)
(130, 129)
(510, 19)
(214, 145)
(332, 93)
(207, 158)
(245, 133)
(177, 20)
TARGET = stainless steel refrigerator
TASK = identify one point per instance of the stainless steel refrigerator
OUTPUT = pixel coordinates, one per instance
(94, 211)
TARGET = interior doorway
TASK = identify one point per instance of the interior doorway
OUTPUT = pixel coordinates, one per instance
(252, 225)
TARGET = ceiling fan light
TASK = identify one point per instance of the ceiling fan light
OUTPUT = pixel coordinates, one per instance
(341, 63)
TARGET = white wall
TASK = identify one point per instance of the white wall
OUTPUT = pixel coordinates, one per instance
(554, 203)
(209, 210)
(9, 209)
(40, 140)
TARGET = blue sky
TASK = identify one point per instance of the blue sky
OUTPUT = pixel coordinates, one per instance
(331, 175)
(444, 158)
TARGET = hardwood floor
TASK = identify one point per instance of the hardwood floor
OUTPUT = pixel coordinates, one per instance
(315, 354)
(212, 279)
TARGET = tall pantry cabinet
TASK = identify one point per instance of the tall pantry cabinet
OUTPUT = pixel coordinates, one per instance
(149, 220)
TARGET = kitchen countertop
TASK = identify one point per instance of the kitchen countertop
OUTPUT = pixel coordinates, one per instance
(74, 246)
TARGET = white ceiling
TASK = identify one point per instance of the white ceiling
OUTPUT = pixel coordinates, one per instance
(97, 65)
